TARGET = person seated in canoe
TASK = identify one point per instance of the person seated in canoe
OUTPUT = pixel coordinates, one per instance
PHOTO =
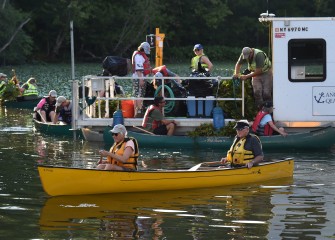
(154, 121)
(63, 111)
(46, 107)
(263, 124)
(246, 149)
(3, 82)
(29, 89)
(123, 155)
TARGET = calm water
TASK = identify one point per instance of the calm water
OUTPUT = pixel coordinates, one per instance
(298, 208)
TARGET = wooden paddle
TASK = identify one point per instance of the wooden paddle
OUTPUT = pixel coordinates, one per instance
(209, 164)
(143, 130)
(39, 112)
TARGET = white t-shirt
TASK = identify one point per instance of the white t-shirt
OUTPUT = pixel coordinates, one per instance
(130, 143)
(138, 62)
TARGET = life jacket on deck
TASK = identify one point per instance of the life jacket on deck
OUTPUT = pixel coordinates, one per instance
(237, 155)
(146, 64)
(146, 121)
(118, 148)
(161, 69)
(264, 130)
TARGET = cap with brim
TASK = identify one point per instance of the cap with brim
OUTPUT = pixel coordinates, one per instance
(246, 51)
(60, 100)
(241, 124)
(3, 75)
(198, 47)
(119, 128)
(145, 46)
(53, 93)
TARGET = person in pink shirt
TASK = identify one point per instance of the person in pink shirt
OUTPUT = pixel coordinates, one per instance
(46, 107)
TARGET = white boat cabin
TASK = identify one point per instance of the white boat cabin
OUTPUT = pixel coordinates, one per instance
(303, 59)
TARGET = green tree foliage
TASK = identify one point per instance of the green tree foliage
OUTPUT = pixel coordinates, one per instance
(110, 27)
(15, 44)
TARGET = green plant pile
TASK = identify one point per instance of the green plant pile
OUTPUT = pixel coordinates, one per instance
(233, 109)
(207, 129)
(113, 106)
(9, 92)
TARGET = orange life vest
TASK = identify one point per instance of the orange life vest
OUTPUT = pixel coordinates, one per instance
(119, 148)
(161, 69)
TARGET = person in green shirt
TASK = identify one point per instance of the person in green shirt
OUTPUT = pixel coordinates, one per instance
(154, 120)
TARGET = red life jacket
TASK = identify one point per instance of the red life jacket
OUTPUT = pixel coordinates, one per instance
(154, 123)
(161, 69)
(261, 131)
(146, 64)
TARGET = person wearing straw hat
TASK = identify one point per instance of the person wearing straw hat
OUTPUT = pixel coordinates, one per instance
(123, 155)
(246, 149)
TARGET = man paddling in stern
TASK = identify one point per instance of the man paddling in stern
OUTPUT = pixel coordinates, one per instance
(246, 149)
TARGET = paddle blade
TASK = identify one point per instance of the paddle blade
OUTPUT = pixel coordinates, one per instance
(195, 168)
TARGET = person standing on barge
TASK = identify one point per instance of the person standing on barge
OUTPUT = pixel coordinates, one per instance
(141, 69)
(259, 66)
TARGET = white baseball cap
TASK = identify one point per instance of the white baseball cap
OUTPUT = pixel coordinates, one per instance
(146, 47)
(119, 128)
(53, 93)
(60, 100)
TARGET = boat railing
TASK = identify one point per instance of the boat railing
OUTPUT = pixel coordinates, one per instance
(101, 90)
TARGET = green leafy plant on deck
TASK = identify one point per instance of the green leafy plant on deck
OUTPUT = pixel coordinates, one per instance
(113, 106)
(10, 92)
(233, 109)
(207, 129)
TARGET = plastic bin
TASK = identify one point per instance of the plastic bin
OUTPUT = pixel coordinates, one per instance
(127, 107)
(199, 108)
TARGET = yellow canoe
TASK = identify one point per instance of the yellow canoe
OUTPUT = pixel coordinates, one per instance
(58, 181)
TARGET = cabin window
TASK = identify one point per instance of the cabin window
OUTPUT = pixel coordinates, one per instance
(307, 60)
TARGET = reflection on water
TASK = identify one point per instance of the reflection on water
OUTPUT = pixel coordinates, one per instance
(149, 216)
(298, 208)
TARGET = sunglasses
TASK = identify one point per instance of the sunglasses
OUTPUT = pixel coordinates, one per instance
(196, 50)
(115, 134)
(239, 129)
